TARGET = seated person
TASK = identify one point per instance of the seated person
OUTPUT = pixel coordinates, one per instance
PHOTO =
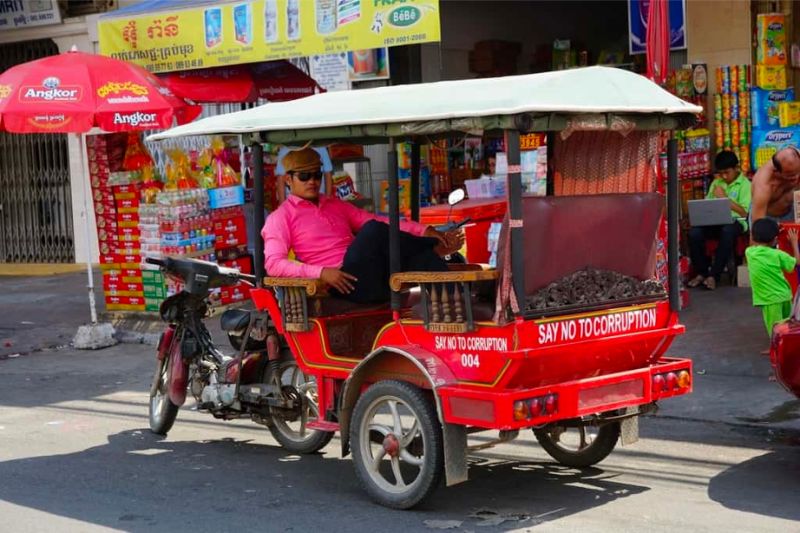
(345, 247)
(728, 183)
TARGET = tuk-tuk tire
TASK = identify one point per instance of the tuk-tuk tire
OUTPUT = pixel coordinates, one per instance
(425, 409)
(599, 449)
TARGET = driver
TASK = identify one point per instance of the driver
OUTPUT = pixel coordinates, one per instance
(774, 185)
(345, 247)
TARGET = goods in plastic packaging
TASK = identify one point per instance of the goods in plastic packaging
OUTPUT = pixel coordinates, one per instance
(764, 106)
(771, 77)
(788, 114)
(771, 39)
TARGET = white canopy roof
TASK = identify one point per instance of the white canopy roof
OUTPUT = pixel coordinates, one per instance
(575, 91)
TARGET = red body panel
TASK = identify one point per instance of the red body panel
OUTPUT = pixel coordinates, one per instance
(785, 355)
(594, 362)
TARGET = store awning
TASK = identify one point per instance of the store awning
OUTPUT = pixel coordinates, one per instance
(465, 105)
(276, 81)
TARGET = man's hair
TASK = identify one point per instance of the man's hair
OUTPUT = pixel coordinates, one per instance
(777, 164)
(765, 230)
(725, 160)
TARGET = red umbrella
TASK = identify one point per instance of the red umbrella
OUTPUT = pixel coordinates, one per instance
(74, 92)
(276, 81)
(657, 40)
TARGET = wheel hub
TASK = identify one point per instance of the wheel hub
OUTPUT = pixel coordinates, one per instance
(391, 445)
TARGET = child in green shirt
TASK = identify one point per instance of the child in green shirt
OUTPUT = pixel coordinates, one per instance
(766, 265)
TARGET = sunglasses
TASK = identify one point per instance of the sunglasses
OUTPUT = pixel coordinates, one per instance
(307, 176)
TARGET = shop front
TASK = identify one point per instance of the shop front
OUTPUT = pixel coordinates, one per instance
(195, 197)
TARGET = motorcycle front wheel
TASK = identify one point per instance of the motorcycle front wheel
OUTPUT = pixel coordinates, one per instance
(162, 411)
(289, 429)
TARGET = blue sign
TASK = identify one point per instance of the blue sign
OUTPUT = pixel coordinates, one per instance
(637, 25)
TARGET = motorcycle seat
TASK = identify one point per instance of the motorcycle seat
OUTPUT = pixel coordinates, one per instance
(234, 320)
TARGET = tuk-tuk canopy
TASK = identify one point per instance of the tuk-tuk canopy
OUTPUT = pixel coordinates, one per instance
(536, 102)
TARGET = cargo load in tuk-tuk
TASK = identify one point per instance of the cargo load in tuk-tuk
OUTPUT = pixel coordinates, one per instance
(566, 336)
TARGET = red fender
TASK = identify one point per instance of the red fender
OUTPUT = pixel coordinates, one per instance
(165, 342)
(178, 375)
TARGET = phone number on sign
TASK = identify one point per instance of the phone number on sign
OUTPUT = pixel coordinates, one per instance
(405, 39)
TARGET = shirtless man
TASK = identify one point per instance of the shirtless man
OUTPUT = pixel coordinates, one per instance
(774, 185)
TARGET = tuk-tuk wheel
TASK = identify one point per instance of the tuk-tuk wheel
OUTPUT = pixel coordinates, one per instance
(579, 446)
(396, 441)
(290, 431)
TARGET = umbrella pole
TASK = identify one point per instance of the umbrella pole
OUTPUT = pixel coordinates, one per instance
(86, 193)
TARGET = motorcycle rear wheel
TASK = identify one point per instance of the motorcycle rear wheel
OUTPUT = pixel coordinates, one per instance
(162, 411)
(293, 435)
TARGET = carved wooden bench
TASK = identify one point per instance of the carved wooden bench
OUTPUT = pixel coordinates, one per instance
(447, 305)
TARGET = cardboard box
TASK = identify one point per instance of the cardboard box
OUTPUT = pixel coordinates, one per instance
(228, 254)
(238, 293)
(764, 106)
(125, 300)
(797, 206)
(771, 39)
(152, 276)
(242, 264)
(771, 77)
(127, 203)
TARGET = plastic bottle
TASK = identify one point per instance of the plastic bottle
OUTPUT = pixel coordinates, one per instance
(271, 21)
(293, 20)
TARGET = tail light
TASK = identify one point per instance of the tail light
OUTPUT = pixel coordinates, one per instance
(672, 381)
(534, 407)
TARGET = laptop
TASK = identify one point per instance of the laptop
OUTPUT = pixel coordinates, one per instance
(713, 212)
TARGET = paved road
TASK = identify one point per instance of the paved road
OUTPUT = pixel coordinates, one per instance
(76, 456)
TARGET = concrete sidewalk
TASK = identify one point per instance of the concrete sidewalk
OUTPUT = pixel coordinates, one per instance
(724, 338)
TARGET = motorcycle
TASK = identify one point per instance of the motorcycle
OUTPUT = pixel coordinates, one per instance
(261, 380)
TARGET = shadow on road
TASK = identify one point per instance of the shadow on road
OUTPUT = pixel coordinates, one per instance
(137, 482)
(752, 486)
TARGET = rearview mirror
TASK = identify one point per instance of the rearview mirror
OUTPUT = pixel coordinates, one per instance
(456, 197)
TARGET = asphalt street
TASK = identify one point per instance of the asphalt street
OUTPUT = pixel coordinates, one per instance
(76, 455)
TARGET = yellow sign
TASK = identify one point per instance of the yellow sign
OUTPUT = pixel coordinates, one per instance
(265, 30)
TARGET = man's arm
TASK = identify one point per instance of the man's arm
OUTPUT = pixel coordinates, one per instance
(760, 192)
(358, 217)
(742, 204)
(795, 250)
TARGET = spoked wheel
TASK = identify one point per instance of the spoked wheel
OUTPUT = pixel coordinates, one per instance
(162, 411)
(580, 446)
(289, 428)
(396, 440)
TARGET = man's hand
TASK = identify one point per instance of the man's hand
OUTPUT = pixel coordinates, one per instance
(341, 281)
(793, 237)
(719, 192)
(449, 242)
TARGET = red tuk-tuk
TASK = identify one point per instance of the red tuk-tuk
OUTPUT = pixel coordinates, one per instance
(567, 336)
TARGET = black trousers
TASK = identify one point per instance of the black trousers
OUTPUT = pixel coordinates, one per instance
(726, 235)
(367, 258)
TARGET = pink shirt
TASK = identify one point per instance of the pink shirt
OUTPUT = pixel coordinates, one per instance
(318, 234)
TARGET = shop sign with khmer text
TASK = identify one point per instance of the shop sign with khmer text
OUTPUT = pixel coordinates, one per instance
(230, 33)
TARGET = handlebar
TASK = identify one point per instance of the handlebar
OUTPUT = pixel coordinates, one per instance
(450, 226)
(167, 264)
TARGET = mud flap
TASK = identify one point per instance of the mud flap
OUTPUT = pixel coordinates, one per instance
(455, 453)
(629, 427)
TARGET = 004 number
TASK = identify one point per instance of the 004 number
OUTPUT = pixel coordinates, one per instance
(470, 361)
